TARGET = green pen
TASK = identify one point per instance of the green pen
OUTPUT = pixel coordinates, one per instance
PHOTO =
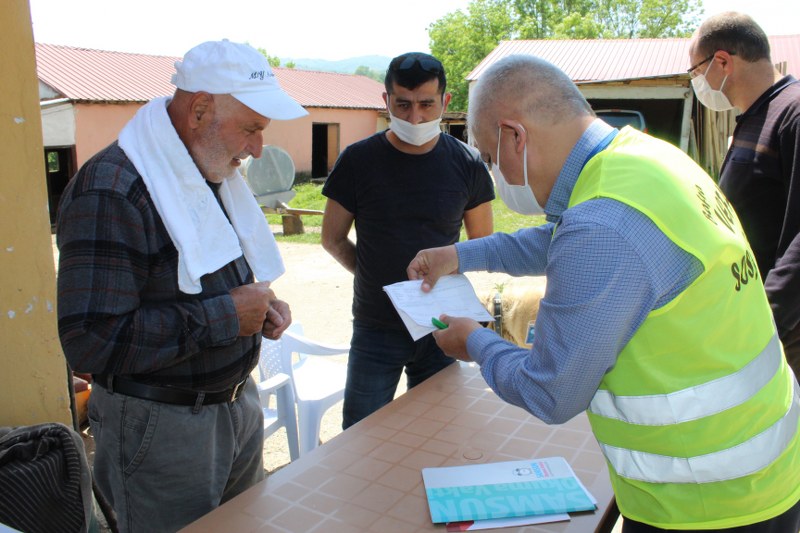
(438, 323)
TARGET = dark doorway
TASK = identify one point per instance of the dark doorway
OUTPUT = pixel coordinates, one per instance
(59, 167)
(459, 131)
(324, 148)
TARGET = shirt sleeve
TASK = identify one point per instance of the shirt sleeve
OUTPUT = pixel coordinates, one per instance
(523, 253)
(104, 268)
(783, 287)
(782, 282)
(340, 185)
(602, 282)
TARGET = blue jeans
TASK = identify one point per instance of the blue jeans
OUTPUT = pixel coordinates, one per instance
(376, 361)
(161, 466)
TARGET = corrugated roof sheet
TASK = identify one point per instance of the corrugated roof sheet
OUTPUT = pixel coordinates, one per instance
(623, 59)
(786, 48)
(82, 74)
(331, 89)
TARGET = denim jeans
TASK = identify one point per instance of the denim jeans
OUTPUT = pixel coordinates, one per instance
(376, 361)
(161, 466)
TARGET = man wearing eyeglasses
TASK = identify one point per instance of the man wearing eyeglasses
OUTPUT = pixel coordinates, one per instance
(406, 188)
(644, 325)
(731, 67)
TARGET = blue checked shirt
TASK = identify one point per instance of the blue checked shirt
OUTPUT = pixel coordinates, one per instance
(607, 267)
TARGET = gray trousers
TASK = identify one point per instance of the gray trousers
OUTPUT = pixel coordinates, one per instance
(161, 466)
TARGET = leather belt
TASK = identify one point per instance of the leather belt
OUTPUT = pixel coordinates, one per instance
(129, 387)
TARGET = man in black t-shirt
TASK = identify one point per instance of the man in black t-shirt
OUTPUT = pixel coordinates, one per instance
(407, 188)
(731, 66)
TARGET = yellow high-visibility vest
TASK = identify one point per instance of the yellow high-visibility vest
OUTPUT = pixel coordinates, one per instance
(698, 419)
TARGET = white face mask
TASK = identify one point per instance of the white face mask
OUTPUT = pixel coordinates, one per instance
(416, 134)
(714, 99)
(518, 198)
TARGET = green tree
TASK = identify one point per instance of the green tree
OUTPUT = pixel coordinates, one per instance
(274, 61)
(670, 19)
(610, 19)
(370, 73)
(578, 26)
(462, 39)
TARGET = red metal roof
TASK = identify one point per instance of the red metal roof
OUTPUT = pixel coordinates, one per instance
(312, 88)
(624, 59)
(786, 48)
(82, 74)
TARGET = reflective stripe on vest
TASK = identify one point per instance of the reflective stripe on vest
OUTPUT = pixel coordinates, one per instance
(746, 458)
(693, 402)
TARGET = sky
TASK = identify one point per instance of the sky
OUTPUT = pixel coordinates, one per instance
(317, 29)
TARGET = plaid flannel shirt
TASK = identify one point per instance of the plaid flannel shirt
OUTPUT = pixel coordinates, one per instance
(119, 308)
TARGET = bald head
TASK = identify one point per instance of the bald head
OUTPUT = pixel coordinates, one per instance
(529, 114)
(736, 33)
(526, 87)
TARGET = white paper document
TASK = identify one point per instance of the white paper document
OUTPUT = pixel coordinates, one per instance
(452, 295)
(496, 523)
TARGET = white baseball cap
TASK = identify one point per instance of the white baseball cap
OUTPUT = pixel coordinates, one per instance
(223, 67)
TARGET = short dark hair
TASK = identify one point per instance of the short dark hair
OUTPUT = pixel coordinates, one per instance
(412, 69)
(736, 33)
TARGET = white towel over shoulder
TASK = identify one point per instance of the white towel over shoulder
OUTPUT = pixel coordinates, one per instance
(197, 226)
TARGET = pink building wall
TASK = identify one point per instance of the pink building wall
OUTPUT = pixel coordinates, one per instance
(98, 125)
(294, 136)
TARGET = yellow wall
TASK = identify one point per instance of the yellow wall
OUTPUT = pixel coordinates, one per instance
(33, 375)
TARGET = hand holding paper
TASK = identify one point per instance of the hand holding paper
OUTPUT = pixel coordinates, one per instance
(453, 295)
(429, 265)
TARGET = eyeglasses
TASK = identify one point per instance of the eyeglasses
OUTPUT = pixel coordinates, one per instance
(426, 63)
(690, 70)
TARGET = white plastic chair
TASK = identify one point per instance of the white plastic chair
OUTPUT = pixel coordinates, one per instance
(274, 381)
(318, 383)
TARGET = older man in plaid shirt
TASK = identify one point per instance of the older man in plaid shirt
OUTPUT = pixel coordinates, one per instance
(161, 244)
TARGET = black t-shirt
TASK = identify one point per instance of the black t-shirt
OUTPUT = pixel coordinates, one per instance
(402, 203)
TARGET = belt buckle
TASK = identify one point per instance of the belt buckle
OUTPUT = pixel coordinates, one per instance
(236, 390)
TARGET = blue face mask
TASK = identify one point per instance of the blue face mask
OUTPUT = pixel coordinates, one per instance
(518, 198)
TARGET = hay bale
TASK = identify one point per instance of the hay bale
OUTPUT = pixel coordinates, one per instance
(519, 304)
